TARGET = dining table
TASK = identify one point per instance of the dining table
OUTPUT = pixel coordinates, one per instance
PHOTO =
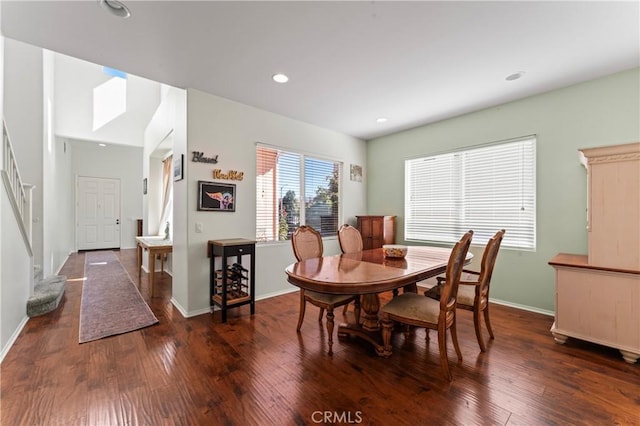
(368, 273)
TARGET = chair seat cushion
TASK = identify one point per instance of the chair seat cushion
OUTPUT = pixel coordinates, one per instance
(414, 306)
(466, 294)
(329, 299)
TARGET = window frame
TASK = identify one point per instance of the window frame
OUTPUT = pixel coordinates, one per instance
(303, 156)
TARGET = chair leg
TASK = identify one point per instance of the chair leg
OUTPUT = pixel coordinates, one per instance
(442, 346)
(321, 314)
(476, 324)
(303, 305)
(330, 329)
(345, 309)
(454, 337)
(486, 320)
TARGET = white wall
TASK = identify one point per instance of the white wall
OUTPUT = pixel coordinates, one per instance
(115, 162)
(15, 260)
(23, 107)
(605, 111)
(217, 126)
(75, 81)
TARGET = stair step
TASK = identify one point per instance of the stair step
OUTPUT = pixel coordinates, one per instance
(47, 294)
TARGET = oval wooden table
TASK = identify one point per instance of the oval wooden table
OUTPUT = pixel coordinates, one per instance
(369, 273)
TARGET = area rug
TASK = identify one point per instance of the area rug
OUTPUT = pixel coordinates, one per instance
(111, 304)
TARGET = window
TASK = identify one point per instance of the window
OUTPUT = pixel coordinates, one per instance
(293, 189)
(484, 188)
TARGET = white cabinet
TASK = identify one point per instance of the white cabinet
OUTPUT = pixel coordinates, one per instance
(598, 295)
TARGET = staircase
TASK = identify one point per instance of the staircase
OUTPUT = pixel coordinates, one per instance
(47, 293)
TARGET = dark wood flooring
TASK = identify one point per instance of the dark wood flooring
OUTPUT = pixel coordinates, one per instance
(259, 371)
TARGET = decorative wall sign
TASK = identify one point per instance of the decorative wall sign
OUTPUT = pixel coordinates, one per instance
(198, 157)
(178, 164)
(230, 175)
(216, 196)
(356, 173)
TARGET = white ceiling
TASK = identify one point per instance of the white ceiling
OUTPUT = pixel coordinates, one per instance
(348, 62)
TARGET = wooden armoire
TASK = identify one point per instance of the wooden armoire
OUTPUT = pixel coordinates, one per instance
(377, 230)
(598, 294)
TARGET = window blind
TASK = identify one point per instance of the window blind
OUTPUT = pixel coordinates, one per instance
(293, 189)
(484, 188)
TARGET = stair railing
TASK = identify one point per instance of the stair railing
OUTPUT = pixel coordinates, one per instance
(20, 194)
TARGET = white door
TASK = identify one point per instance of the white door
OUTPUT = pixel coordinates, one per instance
(98, 213)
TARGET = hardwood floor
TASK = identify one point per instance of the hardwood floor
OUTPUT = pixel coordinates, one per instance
(259, 371)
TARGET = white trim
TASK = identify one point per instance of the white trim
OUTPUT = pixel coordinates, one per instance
(276, 293)
(523, 307)
(13, 338)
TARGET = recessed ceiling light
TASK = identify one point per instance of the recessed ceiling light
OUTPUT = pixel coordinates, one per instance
(381, 120)
(115, 7)
(280, 78)
(102, 144)
(515, 76)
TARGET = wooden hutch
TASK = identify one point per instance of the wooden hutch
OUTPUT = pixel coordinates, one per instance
(376, 230)
(598, 294)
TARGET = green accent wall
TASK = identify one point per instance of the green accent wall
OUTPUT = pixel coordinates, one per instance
(600, 112)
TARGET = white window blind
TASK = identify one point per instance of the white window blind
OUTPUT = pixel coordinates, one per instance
(293, 189)
(484, 188)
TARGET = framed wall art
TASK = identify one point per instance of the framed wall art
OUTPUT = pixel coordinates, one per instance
(216, 196)
(178, 164)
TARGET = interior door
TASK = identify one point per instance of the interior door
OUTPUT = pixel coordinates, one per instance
(98, 213)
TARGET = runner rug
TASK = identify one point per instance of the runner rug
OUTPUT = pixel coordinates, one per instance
(111, 304)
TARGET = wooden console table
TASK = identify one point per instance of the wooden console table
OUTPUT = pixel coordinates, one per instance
(155, 246)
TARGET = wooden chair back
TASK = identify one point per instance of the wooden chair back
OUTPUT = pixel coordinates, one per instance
(453, 273)
(307, 243)
(488, 262)
(350, 239)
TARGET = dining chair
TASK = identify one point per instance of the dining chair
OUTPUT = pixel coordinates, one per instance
(307, 244)
(350, 241)
(416, 310)
(473, 292)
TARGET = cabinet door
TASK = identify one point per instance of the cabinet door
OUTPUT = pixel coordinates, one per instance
(376, 231)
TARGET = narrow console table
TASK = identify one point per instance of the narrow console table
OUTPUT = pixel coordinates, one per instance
(232, 284)
(155, 246)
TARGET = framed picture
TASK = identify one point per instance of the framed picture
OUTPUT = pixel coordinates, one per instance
(144, 186)
(355, 173)
(178, 163)
(216, 196)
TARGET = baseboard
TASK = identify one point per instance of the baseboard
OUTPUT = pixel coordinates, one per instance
(277, 293)
(187, 314)
(522, 307)
(62, 265)
(13, 338)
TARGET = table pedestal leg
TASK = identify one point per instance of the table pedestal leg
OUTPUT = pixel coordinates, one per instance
(369, 328)
(370, 305)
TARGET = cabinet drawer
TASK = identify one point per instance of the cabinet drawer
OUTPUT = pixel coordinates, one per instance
(235, 250)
